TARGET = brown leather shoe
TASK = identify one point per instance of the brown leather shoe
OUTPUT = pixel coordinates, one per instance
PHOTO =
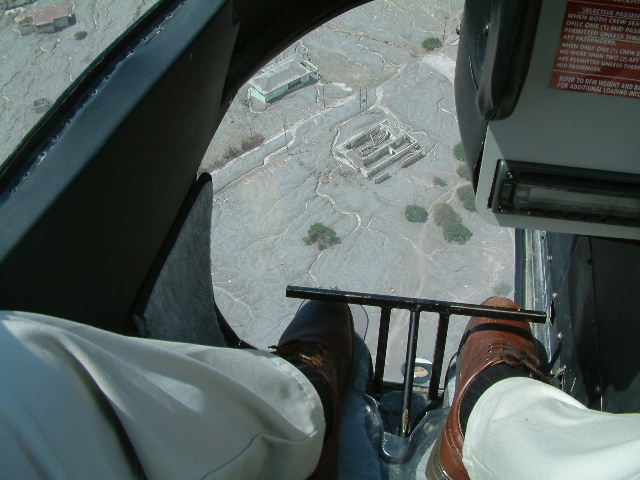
(486, 342)
(321, 336)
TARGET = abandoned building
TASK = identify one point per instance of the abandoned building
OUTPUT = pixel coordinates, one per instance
(283, 77)
(7, 4)
(376, 150)
(46, 19)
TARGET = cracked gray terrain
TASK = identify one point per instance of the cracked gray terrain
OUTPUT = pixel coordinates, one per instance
(372, 68)
(42, 65)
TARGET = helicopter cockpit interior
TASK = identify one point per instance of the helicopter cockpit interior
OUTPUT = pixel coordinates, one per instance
(107, 217)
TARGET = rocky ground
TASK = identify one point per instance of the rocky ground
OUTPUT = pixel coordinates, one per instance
(267, 198)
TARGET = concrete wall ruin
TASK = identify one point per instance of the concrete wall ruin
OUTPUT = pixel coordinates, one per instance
(374, 151)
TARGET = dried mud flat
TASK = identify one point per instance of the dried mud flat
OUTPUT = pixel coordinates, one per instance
(373, 68)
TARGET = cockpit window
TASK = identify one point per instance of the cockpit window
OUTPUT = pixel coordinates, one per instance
(44, 46)
(338, 165)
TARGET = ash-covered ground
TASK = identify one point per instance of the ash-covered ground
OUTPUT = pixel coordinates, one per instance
(372, 67)
(42, 65)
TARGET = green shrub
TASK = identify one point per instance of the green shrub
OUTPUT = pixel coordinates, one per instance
(458, 152)
(456, 232)
(453, 230)
(431, 43)
(415, 214)
(80, 35)
(463, 171)
(439, 182)
(467, 196)
(443, 214)
(321, 235)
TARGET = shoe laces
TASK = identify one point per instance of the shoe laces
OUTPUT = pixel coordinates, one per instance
(503, 352)
(314, 354)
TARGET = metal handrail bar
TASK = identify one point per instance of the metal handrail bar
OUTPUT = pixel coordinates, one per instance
(415, 306)
(421, 304)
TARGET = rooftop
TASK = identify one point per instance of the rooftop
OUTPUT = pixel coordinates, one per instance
(46, 15)
(277, 75)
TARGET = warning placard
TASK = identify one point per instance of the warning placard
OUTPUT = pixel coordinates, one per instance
(599, 48)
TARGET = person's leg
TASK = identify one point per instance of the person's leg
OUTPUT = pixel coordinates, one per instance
(490, 350)
(522, 428)
(319, 342)
(79, 402)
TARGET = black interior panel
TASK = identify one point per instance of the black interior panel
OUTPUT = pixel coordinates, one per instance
(176, 300)
(571, 279)
(88, 198)
(595, 281)
(616, 268)
(509, 41)
(81, 231)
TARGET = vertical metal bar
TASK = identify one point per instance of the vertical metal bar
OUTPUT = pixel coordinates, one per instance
(381, 355)
(410, 364)
(438, 356)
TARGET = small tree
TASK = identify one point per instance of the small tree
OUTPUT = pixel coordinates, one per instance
(456, 232)
(463, 171)
(458, 152)
(321, 235)
(431, 43)
(443, 214)
(80, 35)
(415, 214)
(453, 230)
(467, 196)
(439, 182)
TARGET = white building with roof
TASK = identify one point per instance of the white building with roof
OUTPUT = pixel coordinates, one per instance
(280, 78)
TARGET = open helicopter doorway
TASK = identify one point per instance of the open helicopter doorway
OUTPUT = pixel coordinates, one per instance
(349, 195)
(338, 166)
